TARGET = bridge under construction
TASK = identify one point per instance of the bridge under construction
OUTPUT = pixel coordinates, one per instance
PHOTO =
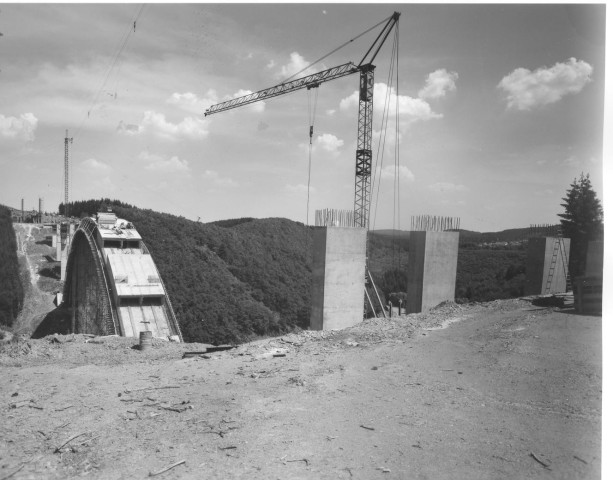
(112, 285)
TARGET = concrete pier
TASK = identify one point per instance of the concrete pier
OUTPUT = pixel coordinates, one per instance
(339, 269)
(433, 263)
(544, 275)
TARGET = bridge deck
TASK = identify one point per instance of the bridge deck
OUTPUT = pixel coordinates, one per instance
(138, 319)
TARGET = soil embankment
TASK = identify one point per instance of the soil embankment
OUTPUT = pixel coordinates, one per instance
(506, 390)
(37, 256)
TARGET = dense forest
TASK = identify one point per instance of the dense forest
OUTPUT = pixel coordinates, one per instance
(237, 279)
(83, 208)
(229, 283)
(11, 288)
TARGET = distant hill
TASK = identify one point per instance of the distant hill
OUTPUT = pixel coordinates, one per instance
(468, 236)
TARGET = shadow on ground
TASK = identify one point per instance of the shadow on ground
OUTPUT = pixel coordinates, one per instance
(56, 321)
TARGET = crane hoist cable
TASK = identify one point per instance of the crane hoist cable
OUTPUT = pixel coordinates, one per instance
(311, 117)
(131, 30)
(336, 49)
(397, 149)
(382, 143)
(384, 122)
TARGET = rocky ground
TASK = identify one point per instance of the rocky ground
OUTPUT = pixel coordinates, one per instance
(484, 391)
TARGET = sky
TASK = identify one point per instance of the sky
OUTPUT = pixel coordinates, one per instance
(496, 109)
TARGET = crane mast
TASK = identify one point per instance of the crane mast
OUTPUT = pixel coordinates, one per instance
(363, 162)
(363, 153)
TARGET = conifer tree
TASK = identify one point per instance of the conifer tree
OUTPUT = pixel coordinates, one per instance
(581, 221)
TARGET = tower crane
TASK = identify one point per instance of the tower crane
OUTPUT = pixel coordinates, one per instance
(363, 156)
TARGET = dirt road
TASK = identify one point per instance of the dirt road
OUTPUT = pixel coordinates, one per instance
(505, 390)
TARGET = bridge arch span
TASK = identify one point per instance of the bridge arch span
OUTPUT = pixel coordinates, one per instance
(86, 289)
(112, 285)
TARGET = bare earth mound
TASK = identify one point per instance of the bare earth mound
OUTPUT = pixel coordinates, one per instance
(504, 390)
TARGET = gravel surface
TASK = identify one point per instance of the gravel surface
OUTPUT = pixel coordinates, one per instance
(484, 391)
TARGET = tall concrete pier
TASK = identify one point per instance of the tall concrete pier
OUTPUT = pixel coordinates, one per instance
(433, 262)
(547, 265)
(339, 269)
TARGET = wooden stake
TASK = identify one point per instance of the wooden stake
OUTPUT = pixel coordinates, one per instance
(153, 474)
(539, 460)
(68, 441)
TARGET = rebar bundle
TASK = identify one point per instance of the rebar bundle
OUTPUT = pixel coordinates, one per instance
(434, 223)
(544, 230)
(329, 217)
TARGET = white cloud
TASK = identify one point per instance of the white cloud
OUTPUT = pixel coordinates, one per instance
(22, 127)
(128, 128)
(527, 89)
(188, 98)
(213, 176)
(446, 187)
(329, 143)
(189, 127)
(410, 109)
(438, 83)
(350, 101)
(404, 174)
(165, 165)
(96, 165)
(296, 63)
(191, 102)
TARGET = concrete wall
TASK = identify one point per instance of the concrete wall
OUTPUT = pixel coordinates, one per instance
(433, 263)
(540, 262)
(339, 268)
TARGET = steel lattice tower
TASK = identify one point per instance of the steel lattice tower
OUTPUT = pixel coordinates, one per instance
(363, 154)
(66, 142)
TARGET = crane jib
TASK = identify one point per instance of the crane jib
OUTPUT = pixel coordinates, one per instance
(309, 81)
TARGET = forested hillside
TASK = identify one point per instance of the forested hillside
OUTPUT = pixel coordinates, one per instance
(229, 280)
(229, 283)
(11, 289)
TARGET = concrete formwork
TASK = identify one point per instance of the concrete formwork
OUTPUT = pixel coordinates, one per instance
(433, 263)
(546, 272)
(339, 268)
